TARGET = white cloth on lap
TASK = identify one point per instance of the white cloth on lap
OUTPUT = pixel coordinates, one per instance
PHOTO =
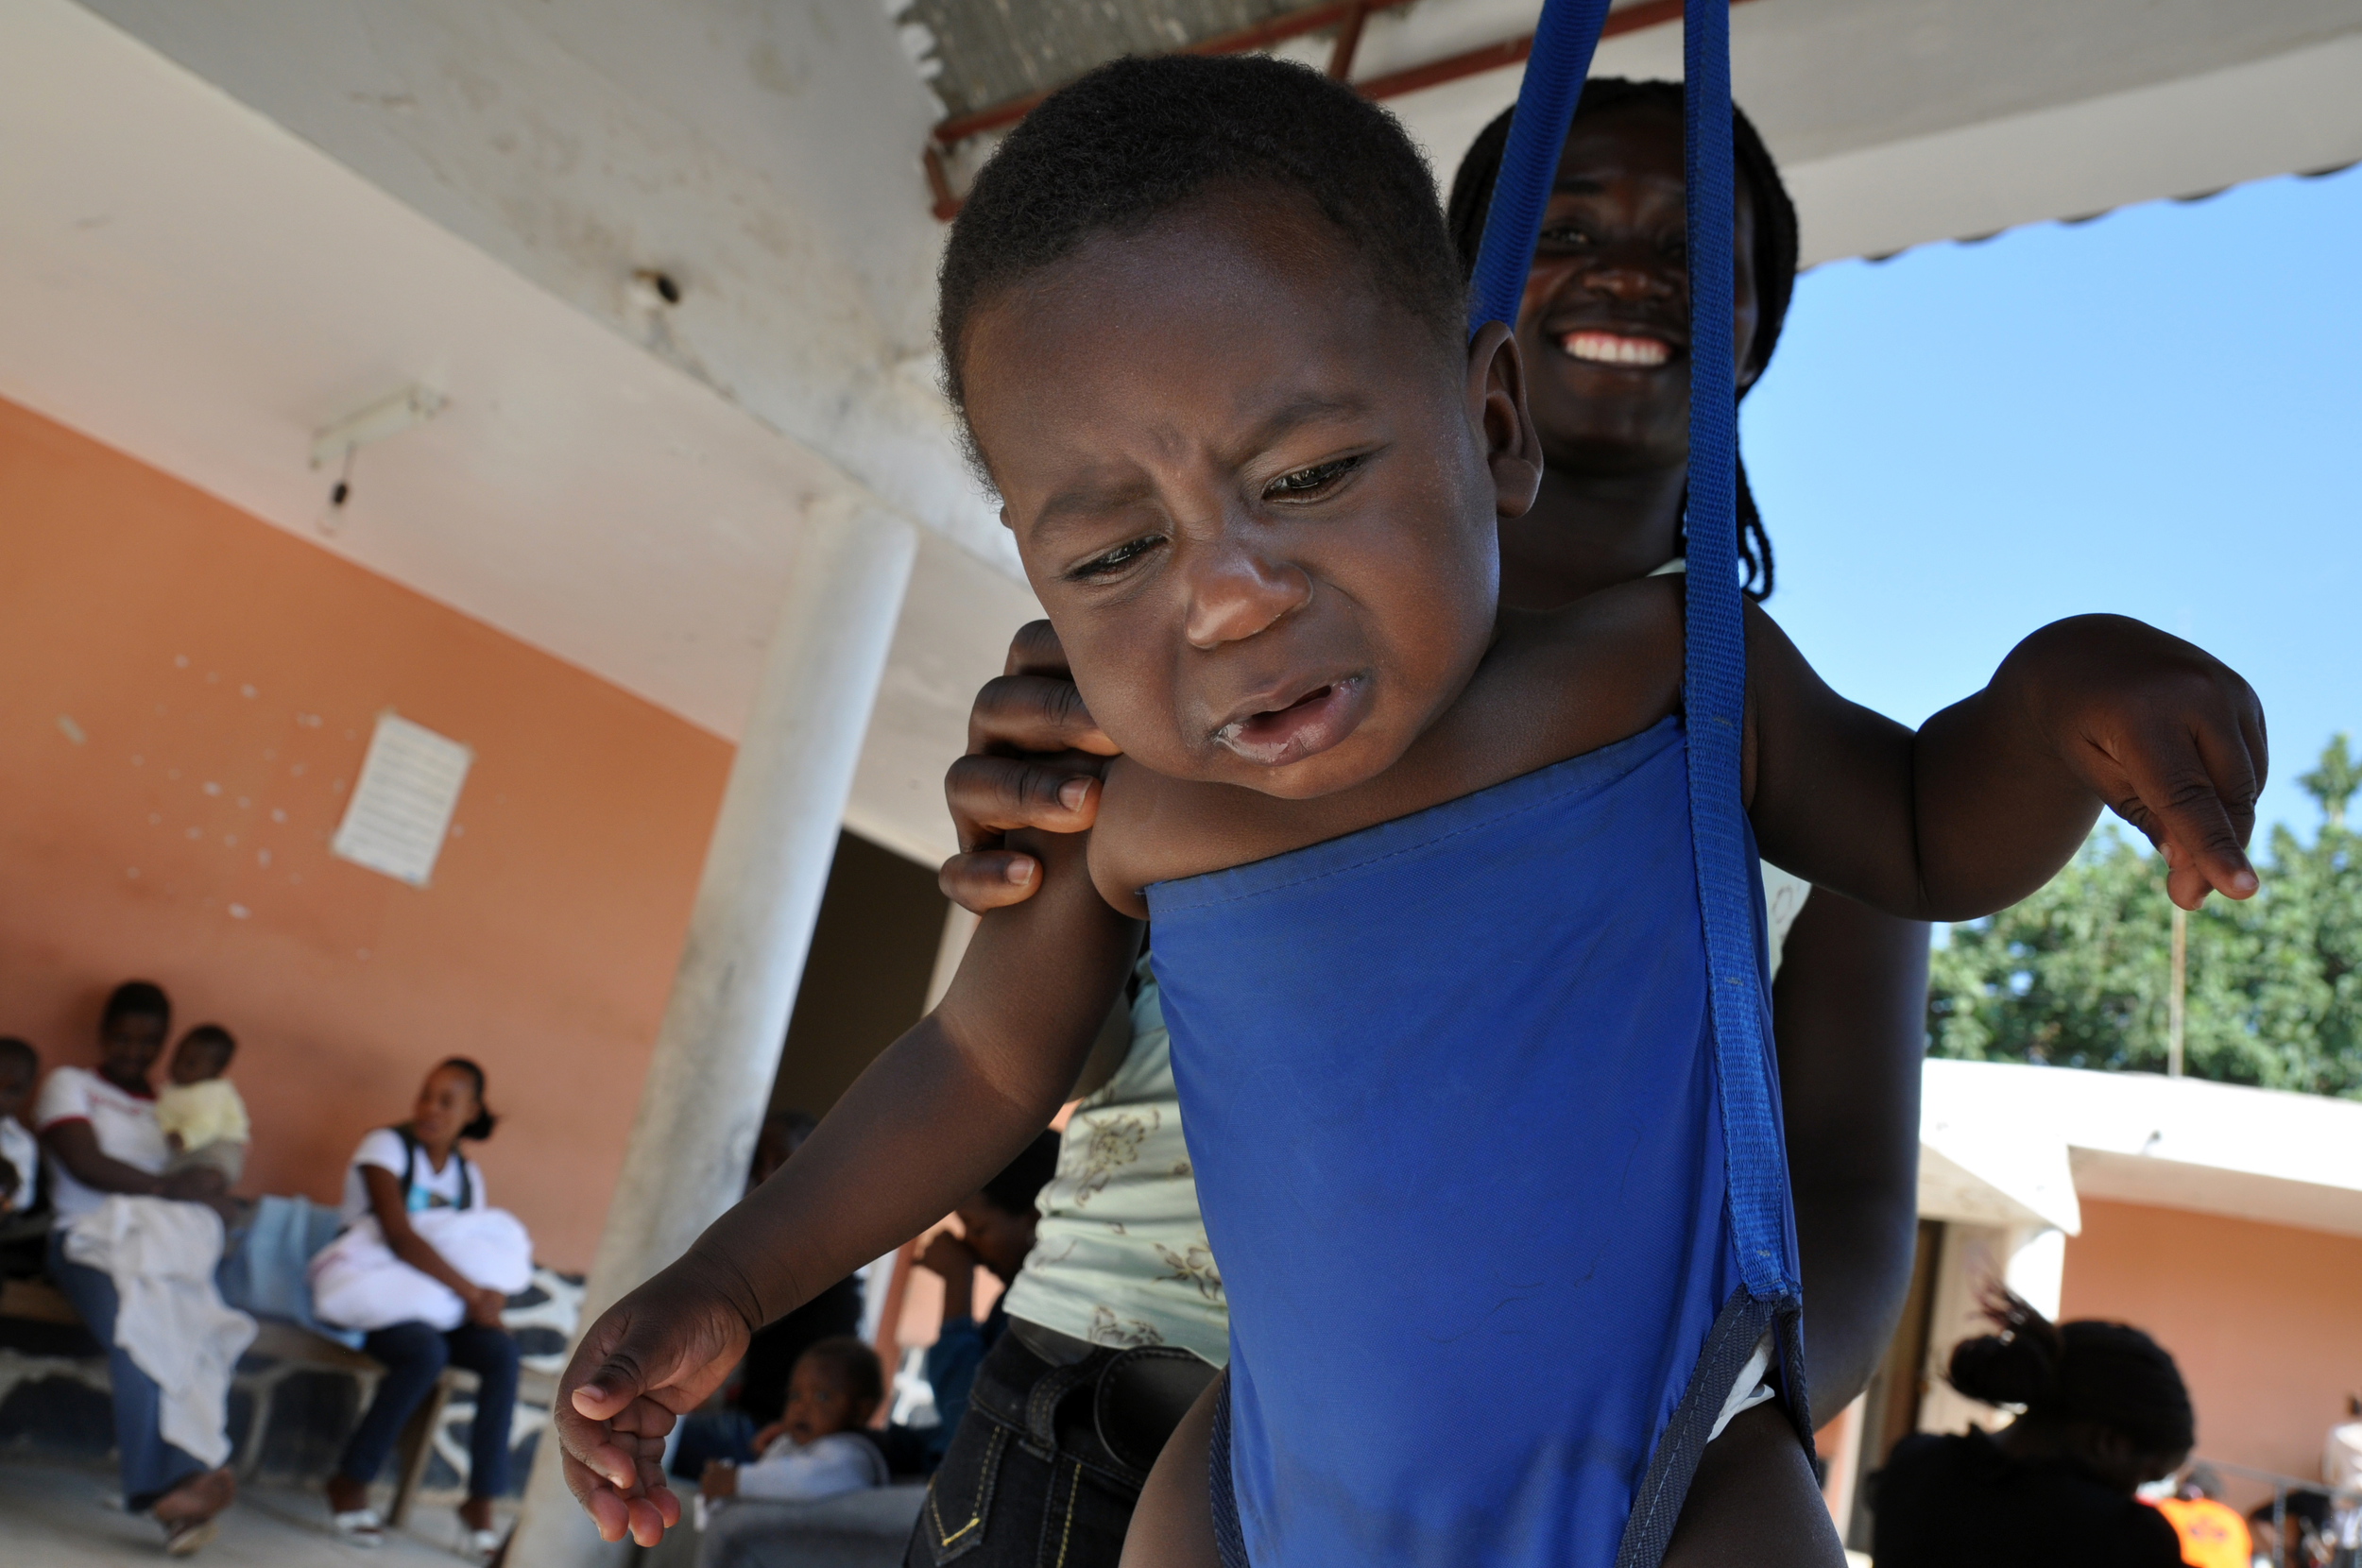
(790, 1471)
(357, 1282)
(170, 1320)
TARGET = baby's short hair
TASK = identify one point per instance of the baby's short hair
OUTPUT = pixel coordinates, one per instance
(853, 1364)
(213, 1038)
(18, 1056)
(1137, 138)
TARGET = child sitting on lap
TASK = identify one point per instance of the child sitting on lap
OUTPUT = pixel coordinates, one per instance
(1421, 871)
(820, 1447)
(202, 1118)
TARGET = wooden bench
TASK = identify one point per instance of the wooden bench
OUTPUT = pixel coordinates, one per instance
(279, 1350)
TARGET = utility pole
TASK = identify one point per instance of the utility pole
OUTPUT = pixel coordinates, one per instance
(2177, 988)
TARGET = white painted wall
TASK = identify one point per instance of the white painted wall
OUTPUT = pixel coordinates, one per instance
(766, 156)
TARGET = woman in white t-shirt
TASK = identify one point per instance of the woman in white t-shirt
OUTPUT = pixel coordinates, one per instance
(395, 1173)
(98, 1130)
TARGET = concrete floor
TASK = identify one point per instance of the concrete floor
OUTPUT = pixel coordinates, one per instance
(61, 1517)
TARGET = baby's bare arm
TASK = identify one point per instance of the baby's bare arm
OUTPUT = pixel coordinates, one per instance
(1991, 795)
(934, 1118)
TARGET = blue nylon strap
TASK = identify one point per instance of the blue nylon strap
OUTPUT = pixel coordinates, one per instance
(1715, 669)
(1562, 41)
(1715, 679)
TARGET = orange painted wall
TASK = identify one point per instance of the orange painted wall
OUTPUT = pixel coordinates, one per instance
(2264, 1321)
(185, 694)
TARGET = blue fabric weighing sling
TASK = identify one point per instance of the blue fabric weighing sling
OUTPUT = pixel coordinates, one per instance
(1527, 1029)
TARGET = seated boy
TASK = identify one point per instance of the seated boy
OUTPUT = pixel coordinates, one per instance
(819, 1448)
(1203, 320)
(203, 1117)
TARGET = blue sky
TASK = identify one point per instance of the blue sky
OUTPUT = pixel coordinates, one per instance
(2157, 413)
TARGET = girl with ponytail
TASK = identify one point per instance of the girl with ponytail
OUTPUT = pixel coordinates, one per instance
(2102, 1410)
(424, 1268)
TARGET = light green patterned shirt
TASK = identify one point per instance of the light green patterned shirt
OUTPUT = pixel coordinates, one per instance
(1120, 1257)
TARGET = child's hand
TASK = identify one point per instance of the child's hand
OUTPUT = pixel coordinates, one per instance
(720, 1479)
(768, 1436)
(651, 1357)
(949, 1256)
(2168, 736)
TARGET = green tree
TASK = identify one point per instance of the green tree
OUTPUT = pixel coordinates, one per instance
(2077, 974)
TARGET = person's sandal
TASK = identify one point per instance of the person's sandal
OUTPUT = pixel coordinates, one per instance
(187, 1511)
(359, 1526)
(188, 1536)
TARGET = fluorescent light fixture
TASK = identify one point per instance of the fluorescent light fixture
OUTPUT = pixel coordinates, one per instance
(406, 409)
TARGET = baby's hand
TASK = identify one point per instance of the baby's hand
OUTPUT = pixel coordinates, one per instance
(2168, 735)
(949, 1256)
(720, 1479)
(768, 1436)
(650, 1358)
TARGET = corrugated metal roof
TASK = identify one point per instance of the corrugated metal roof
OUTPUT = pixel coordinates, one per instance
(988, 51)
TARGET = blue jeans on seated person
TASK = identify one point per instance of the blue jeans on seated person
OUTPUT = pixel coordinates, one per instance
(150, 1466)
(415, 1355)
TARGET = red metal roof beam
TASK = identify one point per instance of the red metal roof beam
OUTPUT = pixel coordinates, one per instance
(1348, 16)
(1259, 35)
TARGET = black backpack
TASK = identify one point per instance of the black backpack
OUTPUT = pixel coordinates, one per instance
(410, 1146)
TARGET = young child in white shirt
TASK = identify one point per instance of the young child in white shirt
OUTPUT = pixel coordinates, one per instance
(202, 1118)
(20, 1156)
(818, 1448)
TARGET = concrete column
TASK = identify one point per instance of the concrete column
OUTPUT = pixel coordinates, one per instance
(718, 1047)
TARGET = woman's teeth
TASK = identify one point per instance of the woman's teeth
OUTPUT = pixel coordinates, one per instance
(1613, 348)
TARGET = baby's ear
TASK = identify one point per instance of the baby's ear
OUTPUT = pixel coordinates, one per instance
(1497, 414)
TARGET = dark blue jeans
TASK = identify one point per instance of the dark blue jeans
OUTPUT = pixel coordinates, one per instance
(150, 1466)
(415, 1355)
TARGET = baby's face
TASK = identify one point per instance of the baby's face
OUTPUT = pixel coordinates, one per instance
(819, 1404)
(195, 1061)
(1258, 498)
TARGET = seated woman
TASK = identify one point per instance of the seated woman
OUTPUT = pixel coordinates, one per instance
(98, 1129)
(396, 1173)
(2106, 1411)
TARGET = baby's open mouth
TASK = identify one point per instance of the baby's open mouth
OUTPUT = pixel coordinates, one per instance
(1313, 723)
(1599, 347)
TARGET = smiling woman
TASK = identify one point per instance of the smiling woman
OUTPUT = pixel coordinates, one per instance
(1605, 331)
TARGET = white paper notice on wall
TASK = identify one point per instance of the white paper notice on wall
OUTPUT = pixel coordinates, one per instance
(401, 809)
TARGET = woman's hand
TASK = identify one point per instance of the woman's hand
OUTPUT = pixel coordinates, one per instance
(485, 1305)
(651, 1358)
(1033, 760)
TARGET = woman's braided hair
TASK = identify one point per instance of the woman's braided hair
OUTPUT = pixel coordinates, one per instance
(1775, 256)
(2110, 1375)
